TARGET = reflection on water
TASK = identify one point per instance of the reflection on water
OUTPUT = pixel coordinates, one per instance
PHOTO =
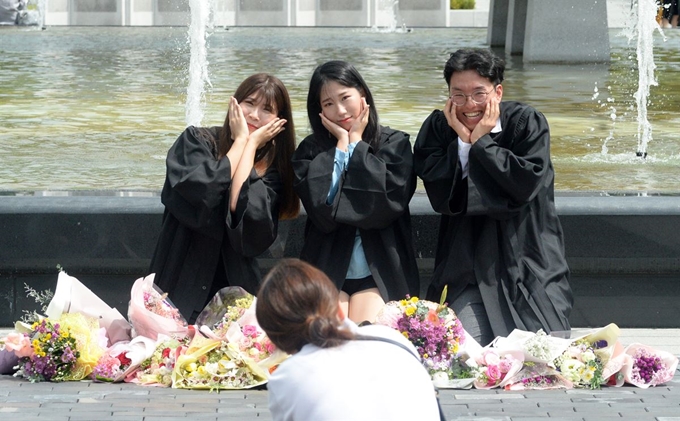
(97, 108)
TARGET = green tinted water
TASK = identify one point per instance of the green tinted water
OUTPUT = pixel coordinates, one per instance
(89, 108)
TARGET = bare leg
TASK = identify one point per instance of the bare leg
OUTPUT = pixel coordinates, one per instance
(674, 21)
(365, 305)
(344, 302)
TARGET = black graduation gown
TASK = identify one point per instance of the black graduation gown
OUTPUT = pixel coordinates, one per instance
(499, 227)
(373, 196)
(199, 232)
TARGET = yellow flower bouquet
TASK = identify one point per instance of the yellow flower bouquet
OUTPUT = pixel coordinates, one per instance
(215, 364)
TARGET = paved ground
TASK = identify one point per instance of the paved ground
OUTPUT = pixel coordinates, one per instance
(80, 401)
(85, 401)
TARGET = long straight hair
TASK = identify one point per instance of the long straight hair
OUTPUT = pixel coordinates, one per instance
(279, 151)
(297, 305)
(346, 75)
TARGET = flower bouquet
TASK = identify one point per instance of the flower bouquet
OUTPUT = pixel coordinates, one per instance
(62, 350)
(231, 317)
(91, 342)
(152, 313)
(112, 366)
(538, 347)
(123, 358)
(229, 305)
(71, 296)
(156, 366)
(581, 365)
(647, 367)
(48, 353)
(585, 359)
(537, 376)
(495, 367)
(436, 333)
(215, 364)
(235, 352)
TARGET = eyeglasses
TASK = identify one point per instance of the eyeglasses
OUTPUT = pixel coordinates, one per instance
(478, 97)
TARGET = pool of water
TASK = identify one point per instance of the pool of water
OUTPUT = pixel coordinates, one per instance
(96, 108)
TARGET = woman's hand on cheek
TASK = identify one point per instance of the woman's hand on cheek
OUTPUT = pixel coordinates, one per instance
(336, 130)
(360, 123)
(269, 131)
(237, 121)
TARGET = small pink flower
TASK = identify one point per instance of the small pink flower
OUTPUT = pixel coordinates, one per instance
(246, 343)
(491, 358)
(389, 315)
(250, 330)
(493, 373)
(506, 364)
(19, 343)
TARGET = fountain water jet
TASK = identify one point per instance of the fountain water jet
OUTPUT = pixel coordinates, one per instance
(42, 12)
(198, 63)
(643, 18)
(389, 9)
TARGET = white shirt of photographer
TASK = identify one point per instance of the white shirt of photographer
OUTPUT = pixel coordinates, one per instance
(359, 380)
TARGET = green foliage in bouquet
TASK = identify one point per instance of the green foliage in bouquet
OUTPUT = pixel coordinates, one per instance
(42, 298)
(459, 370)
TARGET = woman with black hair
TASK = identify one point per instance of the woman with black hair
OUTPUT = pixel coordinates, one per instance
(355, 179)
(669, 14)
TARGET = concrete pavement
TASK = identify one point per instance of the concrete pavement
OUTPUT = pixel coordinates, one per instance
(21, 400)
(81, 401)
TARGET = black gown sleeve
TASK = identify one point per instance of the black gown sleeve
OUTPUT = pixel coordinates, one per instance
(377, 186)
(373, 192)
(313, 167)
(196, 181)
(253, 226)
(507, 171)
(437, 164)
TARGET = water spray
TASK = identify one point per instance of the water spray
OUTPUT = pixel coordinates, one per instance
(643, 17)
(198, 63)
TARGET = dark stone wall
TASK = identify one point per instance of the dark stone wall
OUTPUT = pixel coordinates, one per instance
(624, 252)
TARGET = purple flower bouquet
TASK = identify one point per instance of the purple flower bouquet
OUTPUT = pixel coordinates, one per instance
(647, 367)
(433, 329)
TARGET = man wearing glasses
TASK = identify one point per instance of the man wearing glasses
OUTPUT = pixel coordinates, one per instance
(486, 168)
